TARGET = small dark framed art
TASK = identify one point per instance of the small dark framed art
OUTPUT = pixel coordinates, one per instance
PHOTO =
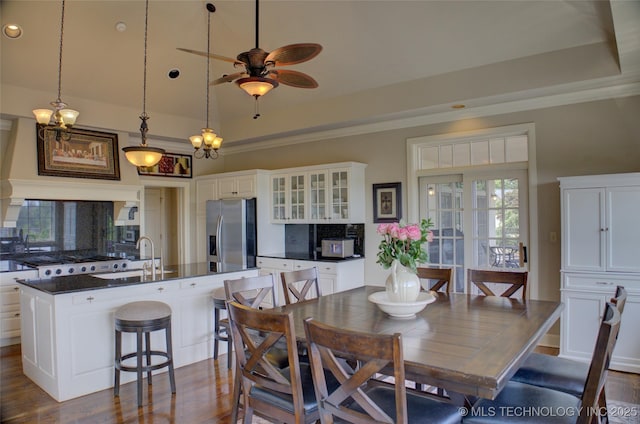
(77, 153)
(387, 202)
(171, 165)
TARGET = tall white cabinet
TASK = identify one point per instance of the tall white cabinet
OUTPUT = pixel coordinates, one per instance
(600, 250)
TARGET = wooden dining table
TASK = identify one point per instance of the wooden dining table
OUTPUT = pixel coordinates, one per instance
(468, 345)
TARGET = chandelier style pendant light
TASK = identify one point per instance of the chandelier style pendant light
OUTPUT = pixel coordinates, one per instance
(144, 155)
(208, 141)
(60, 119)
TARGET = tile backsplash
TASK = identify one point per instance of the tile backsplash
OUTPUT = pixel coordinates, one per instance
(307, 238)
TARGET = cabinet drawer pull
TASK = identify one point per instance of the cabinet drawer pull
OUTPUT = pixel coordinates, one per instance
(160, 289)
(91, 299)
(17, 314)
(16, 288)
(604, 283)
(192, 284)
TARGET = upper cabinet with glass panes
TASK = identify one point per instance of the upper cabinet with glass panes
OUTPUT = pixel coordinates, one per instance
(319, 194)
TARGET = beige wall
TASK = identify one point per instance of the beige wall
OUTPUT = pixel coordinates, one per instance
(590, 138)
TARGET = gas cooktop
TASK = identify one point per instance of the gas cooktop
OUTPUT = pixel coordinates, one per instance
(52, 265)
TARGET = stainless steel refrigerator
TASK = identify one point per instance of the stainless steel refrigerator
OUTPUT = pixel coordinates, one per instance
(232, 232)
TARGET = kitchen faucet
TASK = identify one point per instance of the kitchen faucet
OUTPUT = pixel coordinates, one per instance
(153, 255)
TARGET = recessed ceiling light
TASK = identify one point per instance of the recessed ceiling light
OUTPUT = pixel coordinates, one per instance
(173, 73)
(121, 26)
(12, 31)
(458, 106)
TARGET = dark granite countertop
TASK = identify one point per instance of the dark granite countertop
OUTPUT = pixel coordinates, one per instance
(308, 257)
(79, 283)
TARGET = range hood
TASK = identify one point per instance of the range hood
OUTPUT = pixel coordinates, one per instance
(20, 180)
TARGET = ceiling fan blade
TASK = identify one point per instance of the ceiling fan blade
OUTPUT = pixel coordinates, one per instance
(292, 78)
(212, 55)
(294, 53)
(229, 78)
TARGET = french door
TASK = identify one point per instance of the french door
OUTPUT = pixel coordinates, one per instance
(480, 220)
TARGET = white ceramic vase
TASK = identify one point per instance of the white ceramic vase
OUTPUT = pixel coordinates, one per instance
(402, 285)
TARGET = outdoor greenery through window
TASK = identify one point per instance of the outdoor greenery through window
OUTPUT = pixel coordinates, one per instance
(37, 220)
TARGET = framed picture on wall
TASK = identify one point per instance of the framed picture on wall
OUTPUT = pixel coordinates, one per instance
(77, 153)
(171, 165)
(387, 202)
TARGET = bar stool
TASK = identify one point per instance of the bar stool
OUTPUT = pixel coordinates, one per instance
(220, 326)
(143, 318)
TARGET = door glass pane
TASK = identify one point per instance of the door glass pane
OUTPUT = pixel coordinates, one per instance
(496, 219)
(442, 203)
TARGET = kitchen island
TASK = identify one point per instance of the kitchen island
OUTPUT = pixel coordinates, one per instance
(68, 326)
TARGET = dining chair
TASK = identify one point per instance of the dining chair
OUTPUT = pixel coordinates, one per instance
(567, 408)
(515, 280)
(300, 285)
(442, 277)
(562, 374)
(361, 397)
(253, 292)
(282, 394)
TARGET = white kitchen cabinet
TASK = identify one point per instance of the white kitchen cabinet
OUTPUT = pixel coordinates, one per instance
(288, 198)
(237, 186)
(332, 193)
(599, 252)
(68, 339)
(10, 305)
(333, 277)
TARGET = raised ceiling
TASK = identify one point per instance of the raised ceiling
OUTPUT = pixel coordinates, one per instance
(381, 59)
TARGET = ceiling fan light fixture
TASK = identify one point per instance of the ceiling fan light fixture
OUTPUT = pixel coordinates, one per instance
(257, 86)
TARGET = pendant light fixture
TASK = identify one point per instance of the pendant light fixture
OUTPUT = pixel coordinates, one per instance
(208, 141)
(60, 119)
(144, 155)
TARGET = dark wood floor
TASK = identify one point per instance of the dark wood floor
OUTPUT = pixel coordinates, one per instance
(203, 396)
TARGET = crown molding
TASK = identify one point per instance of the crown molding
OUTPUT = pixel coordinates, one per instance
(513, 102)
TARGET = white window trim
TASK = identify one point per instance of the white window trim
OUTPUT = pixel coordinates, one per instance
(414, 172)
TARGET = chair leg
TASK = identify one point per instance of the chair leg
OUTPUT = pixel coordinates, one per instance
(216, 331)
(172, 378)
(147, 337)
(139, 364)
(236, 396)
(229, 349)
(116, 383)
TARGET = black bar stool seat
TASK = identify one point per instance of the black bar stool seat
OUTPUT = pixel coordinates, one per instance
(143, 318)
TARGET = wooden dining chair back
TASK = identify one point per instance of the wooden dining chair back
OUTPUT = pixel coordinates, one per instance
(300, 285)
(530, 397)
(267, 389)
(563, 374)
(360, 397)
(513, 280)
(441, 276)
(255, 292)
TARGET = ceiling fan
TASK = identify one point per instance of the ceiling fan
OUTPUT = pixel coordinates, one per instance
(261, 69)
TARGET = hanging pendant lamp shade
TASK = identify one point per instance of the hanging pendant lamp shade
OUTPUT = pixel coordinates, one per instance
(144, 155)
